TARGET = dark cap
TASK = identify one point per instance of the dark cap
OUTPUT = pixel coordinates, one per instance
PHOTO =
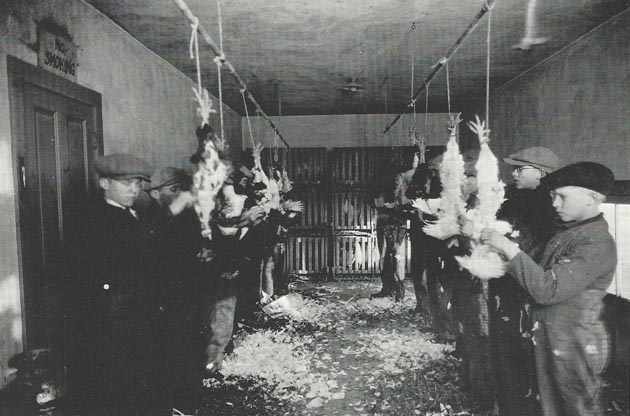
(589, 175)
(122, 166)
(166, 177)
(537, 156)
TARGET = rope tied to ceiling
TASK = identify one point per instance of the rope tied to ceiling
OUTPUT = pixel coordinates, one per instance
(201, 94)
(183, 7)
(488, 38)
(488, 5)
(219, 60)
(249, 124)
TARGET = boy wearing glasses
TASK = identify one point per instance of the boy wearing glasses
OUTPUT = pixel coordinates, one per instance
(567, 285)
(528, 208)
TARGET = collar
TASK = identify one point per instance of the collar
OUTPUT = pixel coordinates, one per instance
(571, 224)
(117, 205)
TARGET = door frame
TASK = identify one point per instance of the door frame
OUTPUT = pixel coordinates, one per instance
(20, 74)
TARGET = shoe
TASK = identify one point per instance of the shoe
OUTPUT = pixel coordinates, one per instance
(381, 294)
(399, 291)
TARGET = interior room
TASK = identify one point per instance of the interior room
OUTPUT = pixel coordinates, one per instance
(292, 132)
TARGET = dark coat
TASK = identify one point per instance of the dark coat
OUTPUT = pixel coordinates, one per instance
(571, 342)
(531, 214)
(114, 262)
(176, 243)
(114, 311)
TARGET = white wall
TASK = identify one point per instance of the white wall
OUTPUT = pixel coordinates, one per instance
(148, 109)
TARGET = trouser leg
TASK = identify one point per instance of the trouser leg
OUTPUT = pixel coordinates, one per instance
(384, 262)
(218, 315)
(419, 277)
(398, 261)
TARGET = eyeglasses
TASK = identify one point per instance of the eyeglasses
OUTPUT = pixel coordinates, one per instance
(174, 188)
(522, 168)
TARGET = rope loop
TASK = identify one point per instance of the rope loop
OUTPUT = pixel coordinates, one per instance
(219, 60)
(443, 60)
(194, 39)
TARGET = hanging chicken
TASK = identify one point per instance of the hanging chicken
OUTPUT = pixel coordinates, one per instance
(451, 205)
(482, 262)
(209, 177)
(261, 182)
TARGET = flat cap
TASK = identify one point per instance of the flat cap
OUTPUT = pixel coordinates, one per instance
(167, 176)
(537, 156)
(589, 175)
(123, 166)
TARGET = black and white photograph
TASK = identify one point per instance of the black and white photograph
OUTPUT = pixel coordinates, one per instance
(314, 207)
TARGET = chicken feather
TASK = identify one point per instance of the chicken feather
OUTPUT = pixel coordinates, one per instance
(452, 176)
(482, 262)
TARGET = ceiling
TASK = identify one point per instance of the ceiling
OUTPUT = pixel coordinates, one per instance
(294, 55)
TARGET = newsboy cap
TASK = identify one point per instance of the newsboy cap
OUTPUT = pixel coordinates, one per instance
(122, 166)
(537, 156)
(166, 177)
(589, 175)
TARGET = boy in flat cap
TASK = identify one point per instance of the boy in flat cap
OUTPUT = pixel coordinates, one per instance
(178, 271)
(114, 356)
(528, 208)
(567, 285)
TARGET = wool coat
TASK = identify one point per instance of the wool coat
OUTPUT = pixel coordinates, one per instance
(530, 212)
(115, 311)
(571, 341)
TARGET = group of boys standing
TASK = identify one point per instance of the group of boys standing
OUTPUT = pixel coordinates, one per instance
(531, 342)
(147, 318)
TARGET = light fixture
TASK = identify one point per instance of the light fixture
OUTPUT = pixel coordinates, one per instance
(352, 86)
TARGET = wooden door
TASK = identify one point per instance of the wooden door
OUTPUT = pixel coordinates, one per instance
(57, 135)
(335, 237)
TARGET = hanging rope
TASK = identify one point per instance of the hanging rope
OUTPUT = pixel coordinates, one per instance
(249, 124)
(275, 136)
(471, 27)
(413, 61)
(426, 108)
(448, 90)
(490, 7)
(183, 7)
(194, 50)
(219, 61)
